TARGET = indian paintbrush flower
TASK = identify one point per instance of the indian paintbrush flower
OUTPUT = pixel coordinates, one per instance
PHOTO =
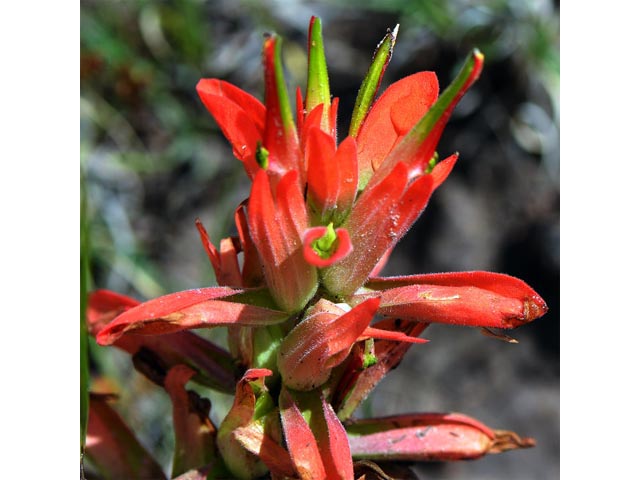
(320, 222)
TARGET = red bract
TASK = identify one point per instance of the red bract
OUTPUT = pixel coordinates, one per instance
(320, 222)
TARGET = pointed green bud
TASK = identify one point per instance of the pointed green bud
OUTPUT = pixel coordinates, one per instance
(317, 74)
(323, 246)
(262, 156)
(371, 82)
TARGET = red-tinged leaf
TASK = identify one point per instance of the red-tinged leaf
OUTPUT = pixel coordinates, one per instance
(199, 308)
(252, 275)
(224, 262)
(334, 446)
(240, 461)
(301, 442)
(241, 118)
(482, 299)
(372, 227)
(280, 137)
(277, 233)
(155, 355)
(343, 246)
(428, 436)
(356, 382)
(195, 434)
(253, 438)
(394, 114)
(380, 334)
(113, 448)
(320, 342)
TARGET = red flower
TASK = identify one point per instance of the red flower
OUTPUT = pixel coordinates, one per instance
(320, 222)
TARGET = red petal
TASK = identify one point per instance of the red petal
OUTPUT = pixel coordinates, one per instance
(343, 249)
(301, 442)
(332, 176)
(277, 232)
(239, 115)
(322, 172)
(210, 89)
(397, 110)
(197, 308)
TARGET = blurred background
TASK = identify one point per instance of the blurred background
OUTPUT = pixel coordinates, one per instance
(154, 160)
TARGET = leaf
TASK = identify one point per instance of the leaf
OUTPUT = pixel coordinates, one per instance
(154, 355)
(198, 308)
(195, 434)
(113, 448)
(301, 442)
(428, 437)
(481, 299)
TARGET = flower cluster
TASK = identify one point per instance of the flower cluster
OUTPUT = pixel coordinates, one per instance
(299, 286)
